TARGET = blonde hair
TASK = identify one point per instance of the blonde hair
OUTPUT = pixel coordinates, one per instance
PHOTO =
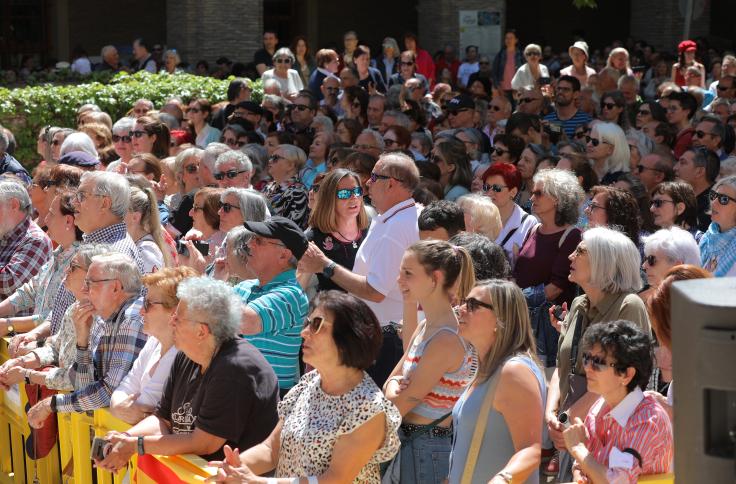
(453, 261)
(514, 334)
(167, 280)
(612, 133)
(324, 215)
(294, 154)
(483, 213)
(143, 201)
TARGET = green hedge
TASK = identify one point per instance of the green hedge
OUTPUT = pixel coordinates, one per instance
(26, 110)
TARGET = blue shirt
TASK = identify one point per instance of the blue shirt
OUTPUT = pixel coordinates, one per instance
(310, 172)
(282, 306)
(569, 125)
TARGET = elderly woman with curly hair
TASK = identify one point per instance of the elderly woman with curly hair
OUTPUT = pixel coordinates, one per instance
(542, 266)
(234, 399)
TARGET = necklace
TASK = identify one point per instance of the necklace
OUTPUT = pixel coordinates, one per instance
(355, 244)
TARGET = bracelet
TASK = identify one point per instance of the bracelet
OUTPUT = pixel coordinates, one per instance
(506, 476)
(26, 375)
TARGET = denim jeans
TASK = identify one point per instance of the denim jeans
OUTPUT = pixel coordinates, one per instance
(426, 459)
(546, 336)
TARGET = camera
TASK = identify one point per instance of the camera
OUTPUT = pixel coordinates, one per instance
(564, 419)
(100, 448)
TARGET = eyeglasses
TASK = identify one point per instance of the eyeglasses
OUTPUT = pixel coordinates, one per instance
(722, 198)
(275, 158)
(594, 206)
(651, 260)
(389, 142)
(73, 267)
(56, 142)
(196, 208)
(233, 142)
(125, 139)
(537, 193)
(265, 241)
(147, 303)
(410, 63)
(377, 176)
(82, 196)
(533, 54)
(525, 100)
(721, 87)
(494, 187)
(596, 363)
(314, 324)
(230, 174)
(641, 168)
(283, 61)
(702, 134)
(300, 107)
(500, 151)
(658, 202)
(608, 105)
(138, 133)
(88, 282)
(228, 207)
(644, 112)
(472, 304)
(194, 110)
(346, 193)
(192, 169)
(595, 141)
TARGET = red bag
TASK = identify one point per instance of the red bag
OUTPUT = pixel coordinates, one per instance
(40, 442)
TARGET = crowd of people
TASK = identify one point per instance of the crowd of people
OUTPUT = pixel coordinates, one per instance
(393, 268)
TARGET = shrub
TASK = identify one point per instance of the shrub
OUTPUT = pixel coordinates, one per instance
(26, 110)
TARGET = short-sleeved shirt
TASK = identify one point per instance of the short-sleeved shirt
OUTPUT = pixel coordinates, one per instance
(337, 251)
(263, 57)
(282, 306)
(380, 254)
(569, 125)
(542, 260)
(234, 399)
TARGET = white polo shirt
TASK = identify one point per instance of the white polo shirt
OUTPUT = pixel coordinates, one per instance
(521, 226)
(380, 254)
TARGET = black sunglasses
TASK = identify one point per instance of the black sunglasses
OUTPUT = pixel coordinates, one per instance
(138, 133)
(608, 105)
(658, 202)
(228, 207)
(314, 324)
(472, 304)
(651, 260)
(500, 151)
(597, 363)
(230, 174)
(496, 188)
(722, 198)
(125, 139)
(595, 141)
(191, 168)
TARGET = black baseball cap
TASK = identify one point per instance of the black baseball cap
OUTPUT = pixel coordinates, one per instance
(251, 107)
(283, 229)
(461, 101)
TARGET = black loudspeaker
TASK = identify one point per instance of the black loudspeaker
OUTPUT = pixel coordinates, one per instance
(704, 376)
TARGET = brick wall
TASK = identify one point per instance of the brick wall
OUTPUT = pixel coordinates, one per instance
(660, 23)
(208, 29)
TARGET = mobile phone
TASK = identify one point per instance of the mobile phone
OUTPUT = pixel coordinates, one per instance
(557, 311)
(545, 81)
(202, 247)
(100, 449)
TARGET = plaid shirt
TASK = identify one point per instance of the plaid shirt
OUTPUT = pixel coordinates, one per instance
(117, 236)
(98, 369)
(23, 251)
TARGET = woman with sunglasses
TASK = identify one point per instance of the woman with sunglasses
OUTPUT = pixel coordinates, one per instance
(354, 104)
(650, 111)
(438, 363)
(206, 221)
(57, 140)
(140, 391)
(286, 195)
(186, 174)
(613, 109)
(495, 320)
(36, 297)
(530, 73)
(38, 191)
(144, 227)
(501, 183)
(614, 208)
(60, 348)
(674, 204)
(718, 245)
(335, 425)
(605, 265)
(198, 114)
(338, 223)
(663, 250)
(608, 150)
(618, 360)
(149, 135)
(288, 78)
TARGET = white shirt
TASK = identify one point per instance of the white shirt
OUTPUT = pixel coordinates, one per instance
(514, 222)
(140, 380)
(465, 70)
(380, 254)
(523, 76)
(292, 85)
(153, 259)
(82, 65)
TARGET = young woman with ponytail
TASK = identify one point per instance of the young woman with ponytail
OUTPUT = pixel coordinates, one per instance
(144, 226)
(438, 363)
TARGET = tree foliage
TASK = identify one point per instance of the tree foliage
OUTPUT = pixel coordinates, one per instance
(26, 110)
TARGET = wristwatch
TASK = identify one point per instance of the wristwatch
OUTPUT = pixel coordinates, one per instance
(10, 328)
(141, 450)
(329, 270)
(506, 476)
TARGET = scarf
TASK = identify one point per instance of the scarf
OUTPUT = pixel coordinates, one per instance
(718, 250)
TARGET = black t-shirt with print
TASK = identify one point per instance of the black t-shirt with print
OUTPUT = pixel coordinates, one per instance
(340, 252)
(235, 399)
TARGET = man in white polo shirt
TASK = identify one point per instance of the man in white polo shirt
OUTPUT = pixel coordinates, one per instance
(376, 268)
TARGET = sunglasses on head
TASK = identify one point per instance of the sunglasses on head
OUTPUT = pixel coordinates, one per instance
(230, 174)
(314, 324)
(125, 139)
(494, 187)
(137, 133)
(658, 202)
(722, 198)
(346, 193)
(472, 304)
(228, 207)
(651, 260)
(596, 363)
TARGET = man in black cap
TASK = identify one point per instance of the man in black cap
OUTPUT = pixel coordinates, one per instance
(461, 114)
(81, 159)
(251, 112)
(277, 306)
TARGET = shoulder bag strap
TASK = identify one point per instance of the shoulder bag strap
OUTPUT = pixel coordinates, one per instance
(480, 429)
(513, 231)
(576, 340)
(564, 236)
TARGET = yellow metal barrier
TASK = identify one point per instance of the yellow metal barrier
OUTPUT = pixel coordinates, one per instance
(658, 479)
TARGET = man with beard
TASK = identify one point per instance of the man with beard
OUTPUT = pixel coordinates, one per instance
(566, 113)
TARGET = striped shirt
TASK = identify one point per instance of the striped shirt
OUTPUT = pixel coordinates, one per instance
(282, 306)
(100, 367)
(569, 125)
(638, 423)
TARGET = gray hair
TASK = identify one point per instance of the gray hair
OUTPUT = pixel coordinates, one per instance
(676, 244)
(729, 181)
(170, 121)
(253, 206)
(237, 240)
(181, 158)
(628, 79)
(256, 153)
(644, 143)
(394, 45)
(376, 136)
(123, 126)
(14, 189)
(241, 160)
(400, 119)
(122, 268)
(145, 101)
(276, 101)
(113, 185)
(214, 303)
(324, 121)
(531, 47)
(284, 51)
(87, 252)
(614, 261)
(563, 186)
(613, 134)
(294, 154)
(106, 49)
(211, 153)
(271, 83)
(423, 139)
(174, 53)
(78, 142)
